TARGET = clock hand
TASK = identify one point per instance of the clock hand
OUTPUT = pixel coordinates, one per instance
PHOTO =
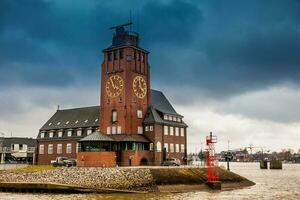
(112, 83)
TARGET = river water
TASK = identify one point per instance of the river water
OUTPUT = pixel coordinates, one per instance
(270, 184)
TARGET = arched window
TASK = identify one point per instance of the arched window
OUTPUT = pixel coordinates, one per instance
(114, 116)
(158, 147)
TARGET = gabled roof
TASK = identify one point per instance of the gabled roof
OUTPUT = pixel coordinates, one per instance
(74, 118)
(7, 142)
(96, 137)
(161, 103)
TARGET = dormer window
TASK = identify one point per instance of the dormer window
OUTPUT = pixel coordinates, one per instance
(67, 122)
(170, 117)
(50, 124)
(69, 133)
(121, 53)
(96, 120)
(58, 123)
(165, 117)
(60, 133)
(76, 122)
(42, 134)
(51, 134)
(178, 119)
(85, 121)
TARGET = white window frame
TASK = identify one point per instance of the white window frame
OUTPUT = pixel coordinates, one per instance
(151, 146)
(42, 134)
(113, 130)
(166, 146)
(59, 148)
(182, 132)
(170, 117)
(182, 148)
(69, 133)
(77, 147)
(158, 146)
(50, 149)
(177, 150)
(51, 133)
(108, 130)
(140, 130)
(139, 114)
(176, 131)
(171, 130)
(114, 116)
(171, 147)
(119, 130)
(166, 130)
(69, 148)
(178, 119)
(79, 132)
(146, 128)
(59, 134)
(166, 117)
(89, 131)
(42, 149)
(151, 128)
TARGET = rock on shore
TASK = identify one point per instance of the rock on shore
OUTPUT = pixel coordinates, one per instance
(139, 179)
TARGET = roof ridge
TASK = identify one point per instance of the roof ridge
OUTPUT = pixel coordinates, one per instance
(78, 108)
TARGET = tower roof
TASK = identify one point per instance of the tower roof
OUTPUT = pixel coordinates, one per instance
(122, 36)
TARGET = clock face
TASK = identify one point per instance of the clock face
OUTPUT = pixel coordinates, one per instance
(139, 87)
(114, 86)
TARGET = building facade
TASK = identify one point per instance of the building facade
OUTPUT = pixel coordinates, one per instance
(134, 125)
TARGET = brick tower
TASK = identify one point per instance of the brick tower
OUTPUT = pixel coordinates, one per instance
(125, 84)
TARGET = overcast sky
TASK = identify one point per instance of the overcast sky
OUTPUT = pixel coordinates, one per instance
(231, 67)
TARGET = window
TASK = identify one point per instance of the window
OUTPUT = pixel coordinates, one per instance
(42, 148)
(114, 116)
(121, 53)
(85, 121)
(177, 148)
(178, 119)
(140, 130)
(151, 128)
(77, 147)
(89, 131)
(51, 134)
(166, 130)
(58, 123)
(59, 149)
(176, 131)
(69, 148)
(60, 133)
(69, 133)
(171, 147)
(174, 119)
(128, 57)
(158, 147)
(108, 130)
(115, 54)
(165, 117)
(42, 134)
(146, 128)
(50, 148)
(151, 146)
(139, 56)
(182, 132)
(170, 117)
(140, 114)
(166, 146)
(79, 132)
(109, 56)
(171, 130)
(119, 131)
(142, 57)
(182, 148)
(113, 130)
(67, 122)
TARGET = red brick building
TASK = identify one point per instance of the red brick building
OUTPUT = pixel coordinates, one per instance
(134, 125)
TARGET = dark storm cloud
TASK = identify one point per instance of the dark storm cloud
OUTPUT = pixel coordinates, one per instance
(219, 47)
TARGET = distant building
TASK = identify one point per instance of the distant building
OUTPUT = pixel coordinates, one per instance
(134, 124)
(17, 150)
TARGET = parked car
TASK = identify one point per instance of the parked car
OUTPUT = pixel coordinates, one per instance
(171, 162)
(71, 163)
(59, 161)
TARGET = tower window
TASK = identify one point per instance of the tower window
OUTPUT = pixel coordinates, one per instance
(134, 55)
(121, 53)
(139, 114)
(139, 56)
(109, 56)
(115, 54)
(114, 116)
(140, 130)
